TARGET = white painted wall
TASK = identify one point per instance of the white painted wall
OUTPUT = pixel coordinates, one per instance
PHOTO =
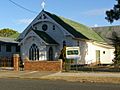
(104, 58)
(83, 51)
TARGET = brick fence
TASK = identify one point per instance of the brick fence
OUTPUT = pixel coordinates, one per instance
(43, 65)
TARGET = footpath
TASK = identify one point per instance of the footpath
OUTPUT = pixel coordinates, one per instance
(83, 77)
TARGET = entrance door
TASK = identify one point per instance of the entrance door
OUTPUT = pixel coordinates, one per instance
(50, 53)
(97, 56)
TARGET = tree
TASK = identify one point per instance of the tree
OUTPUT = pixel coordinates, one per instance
(6, 32)
(113, 14)
(116, 43)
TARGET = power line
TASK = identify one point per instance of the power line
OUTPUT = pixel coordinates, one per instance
(22, 7)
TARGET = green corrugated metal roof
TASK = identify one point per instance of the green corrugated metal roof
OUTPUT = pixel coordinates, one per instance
(45, 37)
(76, 29)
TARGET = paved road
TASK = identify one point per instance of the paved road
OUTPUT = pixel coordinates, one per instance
(26, 84)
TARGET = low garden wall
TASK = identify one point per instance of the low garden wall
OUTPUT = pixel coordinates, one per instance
(43, 65)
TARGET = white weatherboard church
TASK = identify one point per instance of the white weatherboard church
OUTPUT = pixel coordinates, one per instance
(46, 35)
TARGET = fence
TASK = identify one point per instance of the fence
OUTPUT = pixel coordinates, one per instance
(43, 65)
(6, 62)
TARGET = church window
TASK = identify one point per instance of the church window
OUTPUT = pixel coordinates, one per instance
(34, 52)
(44, 27)
(8, 48)
(53, 27)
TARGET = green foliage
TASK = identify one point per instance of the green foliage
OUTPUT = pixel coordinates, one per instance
(117, 54)
(15, 35)
(113, 14)
(7, 32)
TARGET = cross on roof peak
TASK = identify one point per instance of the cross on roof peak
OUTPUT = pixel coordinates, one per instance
(43, 4)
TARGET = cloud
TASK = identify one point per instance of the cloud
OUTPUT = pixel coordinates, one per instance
(95, 12)
(96, 25)
(25, 21)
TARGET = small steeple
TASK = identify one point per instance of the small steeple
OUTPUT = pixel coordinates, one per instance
(43, 5)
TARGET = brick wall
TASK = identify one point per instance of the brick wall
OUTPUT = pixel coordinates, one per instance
(43, 65)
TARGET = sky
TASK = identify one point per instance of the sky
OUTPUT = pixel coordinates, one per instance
(88, 12)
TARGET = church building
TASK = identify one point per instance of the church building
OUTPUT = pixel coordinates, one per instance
(48, 33)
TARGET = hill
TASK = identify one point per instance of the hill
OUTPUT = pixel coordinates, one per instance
(6, 32)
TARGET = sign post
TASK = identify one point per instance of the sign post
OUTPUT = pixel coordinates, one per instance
(73, 53)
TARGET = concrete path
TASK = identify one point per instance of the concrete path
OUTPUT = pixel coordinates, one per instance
(23, 74)
(104, 77)
(88, 74)
(38, 74)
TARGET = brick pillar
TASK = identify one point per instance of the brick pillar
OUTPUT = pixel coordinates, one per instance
(26, 60)
(16, 62)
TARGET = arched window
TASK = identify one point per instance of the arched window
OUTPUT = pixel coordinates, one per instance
(34, 52)
(50, 53)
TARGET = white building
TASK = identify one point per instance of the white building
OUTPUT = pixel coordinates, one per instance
(46, 35)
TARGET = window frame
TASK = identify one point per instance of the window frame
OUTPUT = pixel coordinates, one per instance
(34, 52)
(44, 27)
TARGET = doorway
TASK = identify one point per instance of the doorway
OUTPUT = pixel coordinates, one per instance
(50, 54)
(97, 56)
